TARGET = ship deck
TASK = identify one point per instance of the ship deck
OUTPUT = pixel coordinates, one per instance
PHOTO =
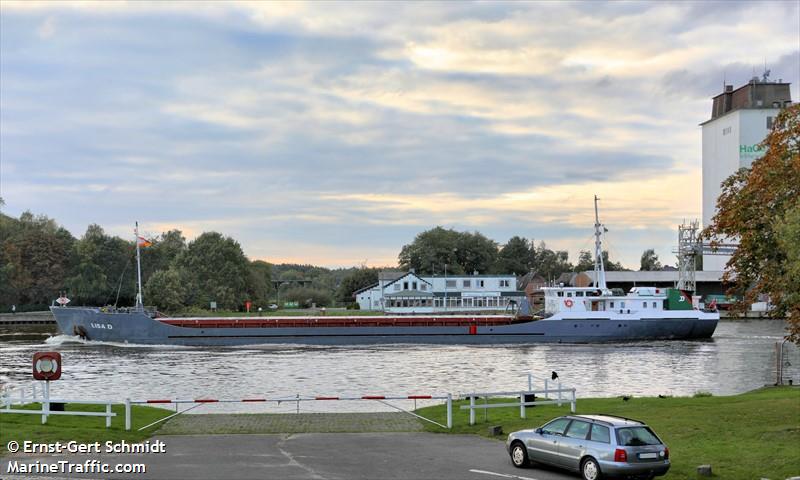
(310, 322)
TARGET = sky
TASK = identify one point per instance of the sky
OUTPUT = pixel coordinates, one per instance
(333, 133)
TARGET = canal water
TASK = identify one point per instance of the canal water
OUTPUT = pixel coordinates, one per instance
(741, 356)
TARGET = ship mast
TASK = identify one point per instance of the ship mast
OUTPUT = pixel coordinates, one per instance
(139, 302)
(599, 270)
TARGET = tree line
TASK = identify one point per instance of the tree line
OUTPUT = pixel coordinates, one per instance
(40, 259)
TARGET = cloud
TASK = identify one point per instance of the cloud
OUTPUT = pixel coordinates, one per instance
(311, 129)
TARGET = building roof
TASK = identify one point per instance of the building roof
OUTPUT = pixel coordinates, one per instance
(364, 289)
(409, 294)
(390, 275)
(404, 276)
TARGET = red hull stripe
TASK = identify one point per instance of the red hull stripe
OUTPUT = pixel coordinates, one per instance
(254, 400)
(159, 401)
(206, 400)
(411, 397)
(326, 398)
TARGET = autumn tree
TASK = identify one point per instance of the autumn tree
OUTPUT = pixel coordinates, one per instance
(758, 207)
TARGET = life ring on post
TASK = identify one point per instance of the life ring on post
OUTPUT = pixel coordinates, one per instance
(568, 302)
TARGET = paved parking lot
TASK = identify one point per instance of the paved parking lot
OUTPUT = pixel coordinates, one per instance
(315, 456)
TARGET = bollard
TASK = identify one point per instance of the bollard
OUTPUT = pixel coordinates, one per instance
(522, 405)
(472, 410)
(108, 415)
(559, 394)
(572, 404)
(449, 411)
(127, 414)
(546, 388)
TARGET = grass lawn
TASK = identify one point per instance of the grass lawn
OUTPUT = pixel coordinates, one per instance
(65, 428)
(748, 436)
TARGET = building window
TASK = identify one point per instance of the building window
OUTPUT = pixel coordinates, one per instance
(414, 285)
(405, 285)
(467, 283)
(451, 284)
(423, 287)
(396, 287)
(578, 294)
(504, 283)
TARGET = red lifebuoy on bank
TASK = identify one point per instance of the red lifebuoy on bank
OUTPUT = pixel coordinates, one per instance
(568, 303)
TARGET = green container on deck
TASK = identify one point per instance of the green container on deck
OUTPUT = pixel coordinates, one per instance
(677, 300)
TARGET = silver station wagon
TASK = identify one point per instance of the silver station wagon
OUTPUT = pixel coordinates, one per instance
(594, 445)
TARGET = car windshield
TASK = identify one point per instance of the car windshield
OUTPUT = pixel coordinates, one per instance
(636, 436)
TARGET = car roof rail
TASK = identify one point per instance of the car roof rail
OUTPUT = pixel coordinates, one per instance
(623, 418)
(586, 417)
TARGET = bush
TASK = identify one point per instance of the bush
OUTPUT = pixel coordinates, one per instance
(306, 297)
(353, 306)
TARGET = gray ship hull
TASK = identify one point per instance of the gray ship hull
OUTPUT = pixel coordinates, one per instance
(136, 327)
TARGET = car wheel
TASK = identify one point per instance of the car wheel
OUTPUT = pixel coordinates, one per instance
(590, 470)
(519, 455)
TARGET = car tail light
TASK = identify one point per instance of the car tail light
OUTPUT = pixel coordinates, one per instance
(620, 455)
(666, 453)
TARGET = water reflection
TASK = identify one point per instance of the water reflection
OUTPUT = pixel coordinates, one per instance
(740, 357)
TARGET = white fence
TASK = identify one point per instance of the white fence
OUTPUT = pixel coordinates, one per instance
(546, 391)
(9, 397)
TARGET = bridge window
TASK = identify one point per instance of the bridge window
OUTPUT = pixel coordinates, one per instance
(467, 283)
(450, 283)
(654, 305)
(612, 304)
(644, 304)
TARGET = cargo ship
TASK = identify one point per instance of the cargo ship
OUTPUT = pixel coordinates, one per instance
(570, 315)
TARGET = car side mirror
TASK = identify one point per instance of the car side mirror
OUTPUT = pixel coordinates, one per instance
(538, 430)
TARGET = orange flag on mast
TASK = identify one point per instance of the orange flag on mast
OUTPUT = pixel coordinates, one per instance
(143, 242)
